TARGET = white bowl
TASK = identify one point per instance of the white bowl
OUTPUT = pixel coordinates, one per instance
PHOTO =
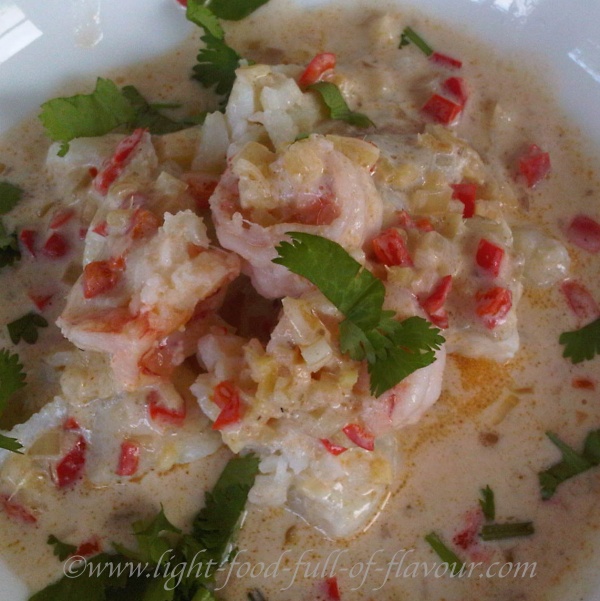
(45, 45)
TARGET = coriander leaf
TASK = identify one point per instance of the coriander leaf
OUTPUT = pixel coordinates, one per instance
(444, 553)
(572, 463)
(583, 344)
(487, 503)
(338, 109)
(26, 328)
(61, 550)
(216, 65)
(410, 35)
(234, 10)
(10, 195)
(502, 531)
(204, 17)
(354, 290)
(392, 349)
(12, 376)
(83, 115)
(9, 247)
(217, 521)
(147, 115)
(10, 444)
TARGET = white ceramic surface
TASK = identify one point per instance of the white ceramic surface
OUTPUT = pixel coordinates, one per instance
(45, 44)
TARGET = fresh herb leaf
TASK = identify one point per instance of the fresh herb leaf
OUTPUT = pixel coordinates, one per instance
(216, 66)
(338, 109)
(153, 547)
(572, 464)
(26, 328)
(9, 247)
(12, 376)
(444, 553)
(393, 349)
(10, 195)
(147, 115)
(410, 35)
(204, 17)
(143, 575)
(234, 10)
(83, 115)
(487, 503)
(218, 520)
(12, 379)
(61, 550)
(583, 344)
(502, 531)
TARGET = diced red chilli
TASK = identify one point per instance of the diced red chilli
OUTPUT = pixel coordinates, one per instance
(82, 233)
(39, 300)
(182, 2)
(27, 238)
(159, 413)
(55, 247)
(441, 109)
(332, 588)
(581, 302)
(100, 277)
(433, 305)
(360, 436)
(316, 68)
(144, 223)
(17, 512)
(465, 192)
(88, 548)
(390, 249)
(129, 458)
(493, 305)
(458, 88)
(534, 165)
(584, 232)
(60, 218)
(445, 60)
(101, 229)
(115, 166)
(334, 449)
(70, 467)
(227, 398)
(489, 257)
(71, 424)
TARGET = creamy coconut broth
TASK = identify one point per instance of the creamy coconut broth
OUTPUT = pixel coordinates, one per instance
(488, 426)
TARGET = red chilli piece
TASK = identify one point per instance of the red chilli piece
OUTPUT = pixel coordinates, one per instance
(16, 511)
(115, 166)
(458, 88)
(390, 249)
(359, 436)
(493, 305)
(88, 548)
(101, 229)
(60, 218)
(489, 257)
(129, 458)
(159, 413)
(332, 589)
(71, 424)
(55, 247)
(334, 449)
(27, 238)
(70, 467)
(465, 192)
(100, 277)
(533, 165)
(445, 60)
(227, 398)
(433, 305)
(584, 232)
(316, 68)
(40, 301)
(441, 109)
(581, 302)
(144, 223)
